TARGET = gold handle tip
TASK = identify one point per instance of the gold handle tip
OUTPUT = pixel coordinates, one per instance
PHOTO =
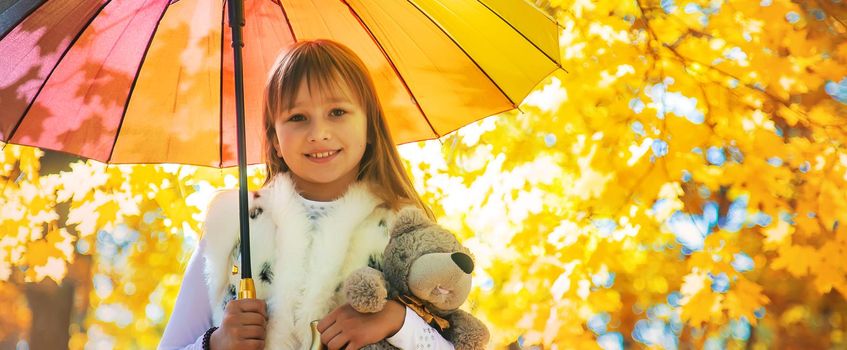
(247, 290)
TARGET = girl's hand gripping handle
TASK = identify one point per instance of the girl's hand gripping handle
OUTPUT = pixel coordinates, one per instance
(244, 326)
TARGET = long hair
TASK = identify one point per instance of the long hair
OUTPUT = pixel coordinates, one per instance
(330, 65)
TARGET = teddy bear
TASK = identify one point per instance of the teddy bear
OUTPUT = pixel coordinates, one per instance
(426, 268)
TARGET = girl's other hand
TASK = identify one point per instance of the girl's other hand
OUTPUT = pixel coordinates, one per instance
(346, 326)
(243, 326)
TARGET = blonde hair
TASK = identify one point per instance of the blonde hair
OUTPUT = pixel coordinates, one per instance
(330, 64)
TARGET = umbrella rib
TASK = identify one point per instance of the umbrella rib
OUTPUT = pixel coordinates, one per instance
(135, 81)
(394, 67)
(514, 105)
(20, 20)
(287, 21)
(59, 61)
(555, 62)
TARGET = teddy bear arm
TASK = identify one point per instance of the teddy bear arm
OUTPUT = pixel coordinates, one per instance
(365, 290)
(466, 332)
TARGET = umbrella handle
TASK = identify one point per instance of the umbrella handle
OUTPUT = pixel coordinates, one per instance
(247, 290)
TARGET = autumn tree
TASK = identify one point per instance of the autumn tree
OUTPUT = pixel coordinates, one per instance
(134, 228)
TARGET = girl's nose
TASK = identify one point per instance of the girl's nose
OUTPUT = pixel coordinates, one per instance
(319, 131)
(314, 137)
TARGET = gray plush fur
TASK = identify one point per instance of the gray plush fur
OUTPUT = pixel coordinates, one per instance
(441, 278)
(365, 288)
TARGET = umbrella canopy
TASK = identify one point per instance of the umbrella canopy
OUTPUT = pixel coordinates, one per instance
(152, 81)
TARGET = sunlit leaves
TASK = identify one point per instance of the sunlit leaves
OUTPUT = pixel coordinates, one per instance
(699, 149)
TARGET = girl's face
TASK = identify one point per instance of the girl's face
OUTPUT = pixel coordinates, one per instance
(322, 139)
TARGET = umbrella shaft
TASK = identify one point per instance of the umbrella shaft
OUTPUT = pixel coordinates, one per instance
(236, 22)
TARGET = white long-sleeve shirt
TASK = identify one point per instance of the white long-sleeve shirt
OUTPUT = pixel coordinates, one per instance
(192, 313)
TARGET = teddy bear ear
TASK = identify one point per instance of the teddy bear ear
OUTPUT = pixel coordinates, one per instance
(408, 220)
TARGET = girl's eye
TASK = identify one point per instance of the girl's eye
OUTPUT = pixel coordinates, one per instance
(297, 118)
(337, 112)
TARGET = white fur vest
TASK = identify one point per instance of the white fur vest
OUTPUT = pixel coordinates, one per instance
(298, 267)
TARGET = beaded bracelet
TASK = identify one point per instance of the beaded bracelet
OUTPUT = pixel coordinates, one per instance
(206, 337)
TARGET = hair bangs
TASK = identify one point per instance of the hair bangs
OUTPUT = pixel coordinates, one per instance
(317, 69)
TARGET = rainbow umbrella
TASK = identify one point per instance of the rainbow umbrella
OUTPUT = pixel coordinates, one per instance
(159, 81)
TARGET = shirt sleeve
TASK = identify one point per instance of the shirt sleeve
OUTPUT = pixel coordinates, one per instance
(192, 314)
(417, 334)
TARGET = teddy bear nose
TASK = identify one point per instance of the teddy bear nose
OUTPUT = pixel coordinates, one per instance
(463, 261)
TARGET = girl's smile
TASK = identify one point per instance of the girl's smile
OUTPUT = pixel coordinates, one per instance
(321, 157)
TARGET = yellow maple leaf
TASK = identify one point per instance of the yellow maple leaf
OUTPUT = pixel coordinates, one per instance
(702, 307)
(743, 299)
(829, 268)
(795, 259)
(38, 251)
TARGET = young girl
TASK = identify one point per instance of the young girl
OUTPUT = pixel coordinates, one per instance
(335, 182)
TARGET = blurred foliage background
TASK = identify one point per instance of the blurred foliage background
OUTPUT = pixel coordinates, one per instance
(681, 186)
